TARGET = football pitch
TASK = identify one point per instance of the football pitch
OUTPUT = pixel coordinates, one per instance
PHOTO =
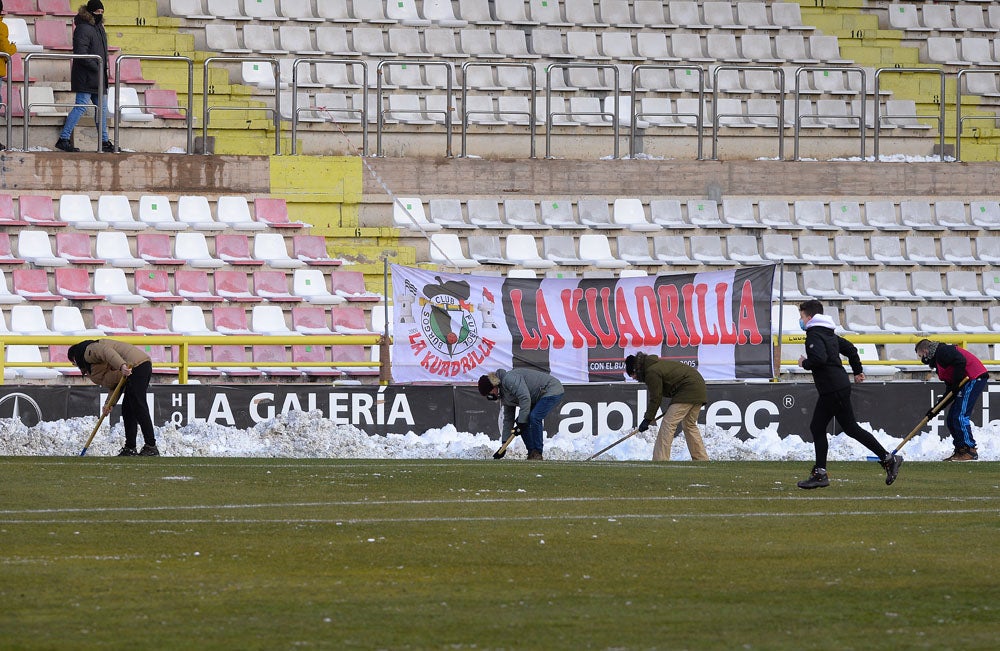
(181, 553)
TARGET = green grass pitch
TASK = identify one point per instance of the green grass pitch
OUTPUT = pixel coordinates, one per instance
(174, 553)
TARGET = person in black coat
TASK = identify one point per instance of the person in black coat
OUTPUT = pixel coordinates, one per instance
(823, 351)
(87, 76)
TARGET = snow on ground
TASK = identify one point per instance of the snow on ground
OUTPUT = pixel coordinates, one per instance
(310, 435)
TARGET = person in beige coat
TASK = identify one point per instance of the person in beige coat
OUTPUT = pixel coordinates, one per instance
(686, 389)
(105, 362)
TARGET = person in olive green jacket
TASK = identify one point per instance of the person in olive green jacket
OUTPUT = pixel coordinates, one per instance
(105, 362)
(685, 387)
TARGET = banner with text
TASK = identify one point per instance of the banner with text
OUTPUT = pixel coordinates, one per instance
(455, 327)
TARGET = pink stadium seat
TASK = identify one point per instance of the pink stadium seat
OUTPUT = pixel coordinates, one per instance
(200, 354)
(22, 8)
(310, 320)
(16, 104)
(39, 210)
(349, 320)
(352, 353)
(112, 319)
(33, 284)
(6, 253)
(56, 7)
(75, 247)
(234, 286)
(74, 284)
(230, 320)
(154, 286)
(193, 285)
(130, 71)
(234, 248)
(231, 353)
(7, 217)
(156, 248)
(274, 212)
(162, 103)
(16, 70)
(311, 249)
(273, 286)
(314, 353)
(53, 34)
(60, 354)
(274, 354)
(351, 285)
(151, 320)
(159, 354)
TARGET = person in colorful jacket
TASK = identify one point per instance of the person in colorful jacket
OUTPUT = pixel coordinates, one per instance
(953, 365)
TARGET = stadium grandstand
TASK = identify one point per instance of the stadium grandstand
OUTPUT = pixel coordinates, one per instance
(274, 157)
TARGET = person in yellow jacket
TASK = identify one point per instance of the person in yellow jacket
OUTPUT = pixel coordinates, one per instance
(105, 361)
(5, 46)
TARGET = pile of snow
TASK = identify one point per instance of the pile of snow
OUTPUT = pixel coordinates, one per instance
(309, 434)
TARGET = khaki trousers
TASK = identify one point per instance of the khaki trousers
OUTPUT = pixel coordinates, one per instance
(685, 415)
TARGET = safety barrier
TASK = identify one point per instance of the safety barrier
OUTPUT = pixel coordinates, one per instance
(275, 111)
(101, 96)
(188, 108)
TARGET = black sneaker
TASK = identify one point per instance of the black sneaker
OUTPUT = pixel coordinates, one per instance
(65, 145)
(108, 147)
(149, 451)
(891, 464)
(817, 479)
(127, 452)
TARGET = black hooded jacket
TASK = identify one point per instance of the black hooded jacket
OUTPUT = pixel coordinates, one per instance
(823, 351)
(89, 37)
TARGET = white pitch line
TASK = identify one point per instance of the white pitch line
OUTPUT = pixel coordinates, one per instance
(525, 518)
(496, 500)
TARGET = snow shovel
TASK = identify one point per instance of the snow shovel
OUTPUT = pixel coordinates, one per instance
(935, 410)
(510, 439)
(627, 436)
(113, 400)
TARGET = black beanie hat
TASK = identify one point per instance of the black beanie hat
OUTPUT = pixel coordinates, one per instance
(94, 5)
(485, 385)
(630, 364)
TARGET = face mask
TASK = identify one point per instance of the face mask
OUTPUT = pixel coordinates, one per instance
(926, 359)
(98, 18)
(802, 324)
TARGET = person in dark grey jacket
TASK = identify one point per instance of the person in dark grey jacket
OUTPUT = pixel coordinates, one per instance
(823, 351)
(533, 393)
(87, 75)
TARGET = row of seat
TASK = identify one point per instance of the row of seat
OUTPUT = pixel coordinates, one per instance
(594, 250)
(160, 249)
(583, 13)
(966, 51)
(937, 17)
(154, 211)
(191, 285)
(854, 215)
(903, 353)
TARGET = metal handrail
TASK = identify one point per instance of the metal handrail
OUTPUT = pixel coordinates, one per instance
(363, 111)
(276, 111)
(5, 102)
(716, 121)
(548, 103)
(188, 114)
(959, 120)
(532, 100)
(699, 116)
(101, 94)
(797, 125)
(449, 99)
(939, 118)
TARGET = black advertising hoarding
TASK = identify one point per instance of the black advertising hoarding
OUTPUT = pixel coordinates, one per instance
(741, 409)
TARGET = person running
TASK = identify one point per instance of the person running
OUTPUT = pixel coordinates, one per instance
(953, 365)
(533, 393)
(823, 351)
(105, 362)
(686, 389)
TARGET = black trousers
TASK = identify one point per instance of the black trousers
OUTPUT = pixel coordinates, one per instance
(135, 411)
(838, 405)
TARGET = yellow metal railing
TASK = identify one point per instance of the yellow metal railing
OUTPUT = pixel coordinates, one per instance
(957, 339)
(183, 363)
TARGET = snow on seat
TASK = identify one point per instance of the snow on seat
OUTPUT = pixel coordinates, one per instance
(6, 297)
(194, 211)
(668, 214)
(234, 286)
(351, 286)
(311, 285)
(273, 212)
(561, 249)
(156, 248)
(522, 214)
(114, 248)
(969, 318)
(76, 209)
(229, 354)
(352, 353)
(29, 353)
(558, 214)
(193, 285)
(953, 215)
(35, 247)
(193, 248)
(273, 286)
(922, 249)
(313, 353)
(189, 320)
(311, 249)
(68, 320)
(933, 319)
(964, 284)
(860, 317)
(230, 320)
(269, 320)
(234, 249)
(225, 39)
(958, 250)
(851, 249)
(846, 215)
(775, 214)
(858, 285)
(154, 286)
(112, 320)
(349, 320)
(743, 249)
(311, 320)
(595, 213)
(73, 283)
(28, 320)
(595, 247)
(708, 250)
(738, 212)
(522, 249)
(928, 285)
(446, 249)
(33, 284)
(198, 354)
(7, 216)
(265, 354)
(894, 285)
(270, 248)
(7, 256)
(671, 249)
(820, 283)
(113, 284)
(634, 249)
(234, 212)
(151, 320)
(116, 210)
(155, 211)
(485, 249)
(917, 215)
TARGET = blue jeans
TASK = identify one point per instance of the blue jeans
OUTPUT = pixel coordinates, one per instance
(82, 100)
(533, 438)
(959, 417)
